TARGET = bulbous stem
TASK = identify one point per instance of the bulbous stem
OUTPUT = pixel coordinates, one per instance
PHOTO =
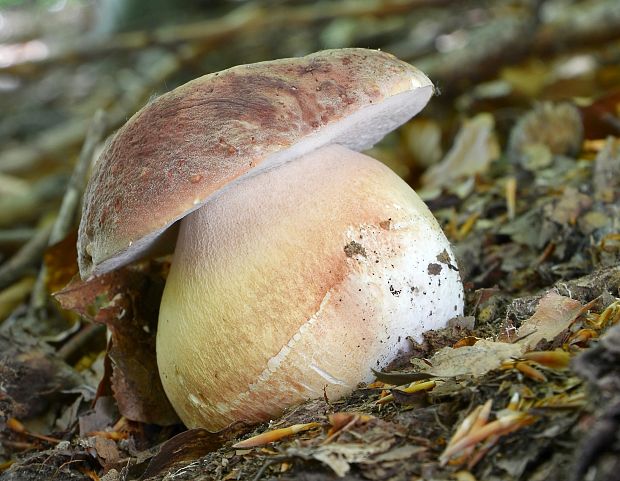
(298, 280)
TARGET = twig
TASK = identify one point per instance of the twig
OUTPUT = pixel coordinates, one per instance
(489, 47)
(26, 258)
(16, 236)
(17, 209)
(10, 185)
(267, 464)
(507, 40)
(24, 157)
(578, 25)
(83, 337)
(12, 296)
(70, 203)
(73, 195)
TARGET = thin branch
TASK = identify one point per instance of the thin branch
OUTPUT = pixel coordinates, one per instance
(28, 206)
(507, 40)
(12, 296)
(82, 338)
(26, 258)
(15, 237)
(70, 203)
(268, 463)
(77, 182)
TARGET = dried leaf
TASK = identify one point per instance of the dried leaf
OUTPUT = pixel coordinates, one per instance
(466, 341)
(569, 207)
(422, 138)
(401, 453)
(607, 171)
(404, 398)
(554, 128)
(340, 420)
(474, 148)
(473, 360)
(553, 315)
(339, 456)
(556, 359)
(61, 262)
(127, 302)
(103, 415)
(188, 446)
(600, 117)
(106, 451)
(31, 376)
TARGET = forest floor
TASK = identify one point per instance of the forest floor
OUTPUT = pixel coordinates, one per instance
(518, 157)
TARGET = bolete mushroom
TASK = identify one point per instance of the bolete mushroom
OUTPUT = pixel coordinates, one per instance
(300, 263)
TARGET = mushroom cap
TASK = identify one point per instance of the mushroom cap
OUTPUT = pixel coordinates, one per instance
(300, 279)
(172, 155)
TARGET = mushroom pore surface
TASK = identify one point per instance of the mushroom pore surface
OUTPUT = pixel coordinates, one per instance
(301, 278)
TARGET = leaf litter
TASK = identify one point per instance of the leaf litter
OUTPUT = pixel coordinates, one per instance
(483, 395)
(524, 387)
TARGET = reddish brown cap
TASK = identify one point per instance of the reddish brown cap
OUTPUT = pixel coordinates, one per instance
(191, 142)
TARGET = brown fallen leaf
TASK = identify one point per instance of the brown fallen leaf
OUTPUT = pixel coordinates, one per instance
(61, 262)
(342, 422)
(466, 341)
(548, 129)
(599, 114)
(106, 451)
(372, 438)
(189, 446)
(101, 417)
(473, 360)
(339, 456)
(568, 208)
(553, 315)
(474, 148)
(31, 376)
(127, 302)
(606, 172)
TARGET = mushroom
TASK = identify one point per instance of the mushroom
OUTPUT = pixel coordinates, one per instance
(300, 263)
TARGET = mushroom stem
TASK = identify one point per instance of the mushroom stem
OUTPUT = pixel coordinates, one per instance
(298, 279)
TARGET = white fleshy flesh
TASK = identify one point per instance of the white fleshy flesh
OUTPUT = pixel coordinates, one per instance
(301, 279)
